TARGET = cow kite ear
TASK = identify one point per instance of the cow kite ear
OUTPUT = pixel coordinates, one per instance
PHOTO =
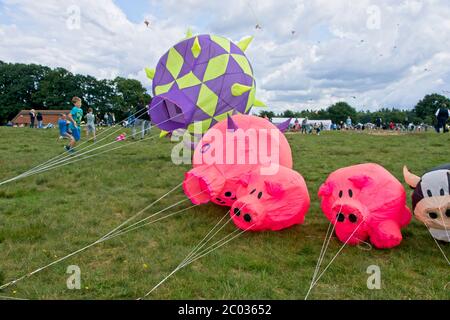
(325, 190)
(275, 189)
(411, 179)
(360, 181)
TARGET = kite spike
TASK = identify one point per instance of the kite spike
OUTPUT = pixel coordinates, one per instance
(244, 43)
(238, 89)
(150, 73)
(231, 125)
(259, 104)
(189, 33)
(196, 48)
(284, 126)
(163, 133)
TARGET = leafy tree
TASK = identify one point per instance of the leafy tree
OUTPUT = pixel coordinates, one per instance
(33, 86)
(18, 84)
(269, 114)
(288, 114)
(340, 111)
(426, 108)
(130, 95)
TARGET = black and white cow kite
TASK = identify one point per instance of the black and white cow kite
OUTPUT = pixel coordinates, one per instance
(431, 199)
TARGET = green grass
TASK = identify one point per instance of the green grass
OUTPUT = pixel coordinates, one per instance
(52, 214)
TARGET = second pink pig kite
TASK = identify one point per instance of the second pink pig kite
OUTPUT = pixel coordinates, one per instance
(365, 202)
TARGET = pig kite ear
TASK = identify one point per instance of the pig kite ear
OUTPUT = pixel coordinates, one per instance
(411, 179)
(325, 190)
(360, 181)
(275, 189)
(244, 180)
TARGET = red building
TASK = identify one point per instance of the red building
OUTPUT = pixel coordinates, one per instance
(48, 116)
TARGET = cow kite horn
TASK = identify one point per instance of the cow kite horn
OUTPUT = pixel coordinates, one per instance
(411, 179)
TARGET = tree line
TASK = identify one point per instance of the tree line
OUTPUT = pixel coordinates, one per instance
(423, 112)
(32, 86)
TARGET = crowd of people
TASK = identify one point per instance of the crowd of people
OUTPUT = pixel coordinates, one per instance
(307, 126)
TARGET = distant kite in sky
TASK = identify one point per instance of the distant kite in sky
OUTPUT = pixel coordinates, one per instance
(199, 82)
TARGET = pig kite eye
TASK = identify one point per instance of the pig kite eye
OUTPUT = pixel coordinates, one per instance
(205, 148)
(350, 193)
(429, 193)
(228, 194)
(447, 213)
(260, 195)
(433, 215)
(341, 193)
(442, 192)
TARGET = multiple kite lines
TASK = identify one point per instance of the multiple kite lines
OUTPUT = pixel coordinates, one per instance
(130, 224)
(203, 248)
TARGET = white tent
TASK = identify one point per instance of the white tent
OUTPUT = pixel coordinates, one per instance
(326, 123)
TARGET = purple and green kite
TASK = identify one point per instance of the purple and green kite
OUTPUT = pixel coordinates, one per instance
(200, 81)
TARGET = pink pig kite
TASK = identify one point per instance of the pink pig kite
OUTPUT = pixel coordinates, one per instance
(245, 162)
(365, 202)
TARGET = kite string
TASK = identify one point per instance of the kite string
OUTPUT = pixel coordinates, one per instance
(189, 262)
(87, 157)
(101, 239)
(439, 247)
(186, 261)
(438, 204)
(144, 219)
(201, 252)
(100, 147)
(208, 238)
(66, 155)
(205, 238)
(325, 245)
(59, 155)
(332, 260)
(57, 164)
(127, 230)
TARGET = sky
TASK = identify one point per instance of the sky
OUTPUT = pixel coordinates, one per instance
(305, 55)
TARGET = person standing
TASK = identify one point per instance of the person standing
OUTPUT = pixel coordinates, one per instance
(348, 122)
(63, 128)
(32, 117)
(39, 119)
(110, 119)
(75, 116)
(90, 123)
(378, 123)
(105, 119)
(142, 124)
(304, 126)
(442, 114)
(391, 125)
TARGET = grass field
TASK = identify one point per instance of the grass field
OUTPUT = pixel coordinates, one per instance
(49, 215)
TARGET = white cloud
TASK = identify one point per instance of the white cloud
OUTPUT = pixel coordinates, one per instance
(370, 53)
